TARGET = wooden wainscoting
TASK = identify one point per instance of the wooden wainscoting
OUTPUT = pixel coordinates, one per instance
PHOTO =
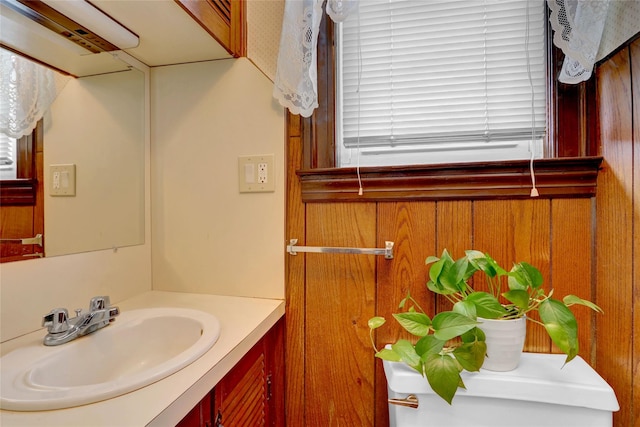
(586, 246)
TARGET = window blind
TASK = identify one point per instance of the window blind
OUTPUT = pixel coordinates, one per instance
(7, 157)
(442, 73)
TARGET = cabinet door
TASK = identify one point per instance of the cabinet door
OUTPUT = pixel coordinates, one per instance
(240, 398)
(252, 393)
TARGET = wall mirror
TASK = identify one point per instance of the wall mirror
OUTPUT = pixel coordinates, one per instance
(96, 127)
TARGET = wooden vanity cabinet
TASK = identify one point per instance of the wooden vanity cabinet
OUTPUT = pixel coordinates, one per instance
(251, 394)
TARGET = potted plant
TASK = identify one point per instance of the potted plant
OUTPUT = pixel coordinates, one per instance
(453, 340)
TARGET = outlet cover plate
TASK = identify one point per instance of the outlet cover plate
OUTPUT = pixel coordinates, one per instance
(62, 180)
(256, 174)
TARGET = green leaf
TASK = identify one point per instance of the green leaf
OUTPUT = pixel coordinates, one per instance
(436, 269)
(413, 322)
(471, 355)
(376, 322)
(448, 325)
(437, 288)
(466, 308)
(561, 325)
(407, 353)
(487, 305)
(429, 345)
(452, 276)
(443, 375)
(473, 255)
(572, 299)
(485, 263)
(475, 334)
(519, 297)
(524, 276)
(388, 354)
(431, 259)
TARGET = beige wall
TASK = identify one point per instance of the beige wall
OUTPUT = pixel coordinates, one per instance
(29, 289)
(207, 237)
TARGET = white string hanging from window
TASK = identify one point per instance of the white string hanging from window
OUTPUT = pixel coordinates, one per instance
(359, 50)
(534, 190)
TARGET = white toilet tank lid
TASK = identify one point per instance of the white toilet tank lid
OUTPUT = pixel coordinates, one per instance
(538, 377)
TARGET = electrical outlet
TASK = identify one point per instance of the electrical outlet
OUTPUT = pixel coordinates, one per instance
(263, 173)
(256, 173)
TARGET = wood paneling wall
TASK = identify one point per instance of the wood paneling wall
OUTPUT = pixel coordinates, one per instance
(618, 231)
(589, 247)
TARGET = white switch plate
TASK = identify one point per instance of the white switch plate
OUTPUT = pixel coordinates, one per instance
(256, 174)
(62, 180)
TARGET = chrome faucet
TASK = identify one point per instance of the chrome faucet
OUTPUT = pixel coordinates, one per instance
(63, 329)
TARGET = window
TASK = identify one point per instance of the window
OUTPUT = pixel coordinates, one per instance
(441, 81)
(569, 167)
(21, 188)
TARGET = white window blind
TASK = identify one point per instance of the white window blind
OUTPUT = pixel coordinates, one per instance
(7, 157)
(432, 81)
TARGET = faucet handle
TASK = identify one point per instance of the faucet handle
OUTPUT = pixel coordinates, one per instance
(99, 303)
(56, 320)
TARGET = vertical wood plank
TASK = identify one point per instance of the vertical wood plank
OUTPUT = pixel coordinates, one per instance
(411, 226)
(512, 231)
(571, 260)
(295, 281)
(635, 381)
(613, 239)
(455, 233)
(340, 295)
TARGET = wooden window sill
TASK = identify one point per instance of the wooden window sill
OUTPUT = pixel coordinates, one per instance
(18, 192)
(564, 177)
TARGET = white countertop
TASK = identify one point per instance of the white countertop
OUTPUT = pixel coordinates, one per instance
(243, 322)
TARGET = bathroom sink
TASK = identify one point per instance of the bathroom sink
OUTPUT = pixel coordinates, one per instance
(141, 347)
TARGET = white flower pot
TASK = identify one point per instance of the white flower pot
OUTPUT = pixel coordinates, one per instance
(505, 342)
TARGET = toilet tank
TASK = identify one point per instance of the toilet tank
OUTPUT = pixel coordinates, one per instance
(539, 392)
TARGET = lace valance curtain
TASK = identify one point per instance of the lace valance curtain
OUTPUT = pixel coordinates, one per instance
(295, 84)
(585, 30)
(27, 90)
(588, 30)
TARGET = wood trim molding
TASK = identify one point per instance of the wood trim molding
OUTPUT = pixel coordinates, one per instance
(18, 192)
(565, 177)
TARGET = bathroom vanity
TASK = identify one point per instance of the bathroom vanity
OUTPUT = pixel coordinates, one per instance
(247, 353)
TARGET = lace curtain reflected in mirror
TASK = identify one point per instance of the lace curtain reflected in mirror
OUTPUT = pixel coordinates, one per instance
(27, 90)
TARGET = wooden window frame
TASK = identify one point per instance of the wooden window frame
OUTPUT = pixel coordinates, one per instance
(570, 170)
(22, 191)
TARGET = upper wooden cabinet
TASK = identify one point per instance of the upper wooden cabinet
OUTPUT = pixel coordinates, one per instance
(223, 19)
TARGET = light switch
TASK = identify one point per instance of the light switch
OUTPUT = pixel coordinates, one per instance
(249, 173)
(256, 173)
(62, 180)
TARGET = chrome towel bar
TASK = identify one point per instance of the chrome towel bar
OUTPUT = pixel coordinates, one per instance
(36, 240)
(387, 251)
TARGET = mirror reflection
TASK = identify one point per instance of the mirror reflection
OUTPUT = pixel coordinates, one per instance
(88, 167)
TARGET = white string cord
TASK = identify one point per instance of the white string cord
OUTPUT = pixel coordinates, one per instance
(359, 52)
(534, 190)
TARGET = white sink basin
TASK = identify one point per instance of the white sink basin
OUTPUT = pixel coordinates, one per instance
(139, 348)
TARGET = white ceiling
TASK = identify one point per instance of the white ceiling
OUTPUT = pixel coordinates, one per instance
(168, 35)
